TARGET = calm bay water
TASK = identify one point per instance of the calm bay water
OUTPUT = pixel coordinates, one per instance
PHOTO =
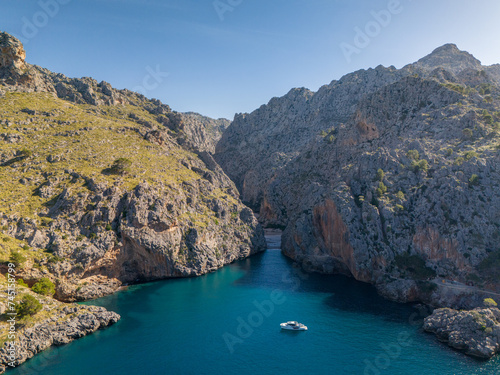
(214, 325)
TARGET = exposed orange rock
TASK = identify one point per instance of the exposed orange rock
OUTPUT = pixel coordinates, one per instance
(367, 130)
(429, 243)
(334, 236)
(266, 211)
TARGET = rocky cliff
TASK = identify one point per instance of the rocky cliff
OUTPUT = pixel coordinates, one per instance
(203, 132)
(102, 187)
(387, 175)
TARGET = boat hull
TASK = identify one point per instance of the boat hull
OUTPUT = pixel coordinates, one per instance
(290, 328)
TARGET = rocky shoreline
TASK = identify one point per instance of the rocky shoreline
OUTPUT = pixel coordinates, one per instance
(475, 332)
(70, 323)
(387, 175)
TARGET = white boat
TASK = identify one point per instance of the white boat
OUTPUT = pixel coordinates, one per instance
(293, 326)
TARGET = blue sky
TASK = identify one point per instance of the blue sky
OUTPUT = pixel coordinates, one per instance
(238, 56)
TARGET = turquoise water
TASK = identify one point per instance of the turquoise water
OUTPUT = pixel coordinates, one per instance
(190, 326)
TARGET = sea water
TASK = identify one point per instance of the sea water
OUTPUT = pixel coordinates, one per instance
(228, 322)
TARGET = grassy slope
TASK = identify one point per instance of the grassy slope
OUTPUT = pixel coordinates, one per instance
(110, 134)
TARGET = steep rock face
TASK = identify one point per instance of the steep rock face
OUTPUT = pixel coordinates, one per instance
(396, 189)
(13, 54)
(114, 188)
(259, 144)
(419, 217)
(476, 332)
(204, 132)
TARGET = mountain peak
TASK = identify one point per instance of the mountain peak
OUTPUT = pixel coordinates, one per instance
(447, 47)
(449, 57)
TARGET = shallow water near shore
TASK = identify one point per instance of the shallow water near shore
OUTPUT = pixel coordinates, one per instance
(227, 322)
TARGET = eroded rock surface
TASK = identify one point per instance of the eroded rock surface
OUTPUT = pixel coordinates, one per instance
(387, 175)
(476, 332)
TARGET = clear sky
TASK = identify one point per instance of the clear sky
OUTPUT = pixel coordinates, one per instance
(228, 56)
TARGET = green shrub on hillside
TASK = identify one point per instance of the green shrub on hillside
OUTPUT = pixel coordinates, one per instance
(487, 117)
(490, 302)
(44, 287)
(22, 283)
(24, 153)
(413, 154)
(120, 166)
(420, 166)
(17, 258)
(467, 133)
(459, 161)
(380, 175)
(28, 306)
(381, 190)
(470, 154)
(474, 180)
(464, 90)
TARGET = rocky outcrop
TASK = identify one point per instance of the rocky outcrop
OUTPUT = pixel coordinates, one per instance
(203, 132)
(386, 175)
(12, 56)
(476, 332)
(450, 58)
(19, 76)
(67, 324)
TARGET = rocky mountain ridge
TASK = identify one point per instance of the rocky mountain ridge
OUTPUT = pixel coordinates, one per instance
(281, 129)
(103, 188)
(387, 175)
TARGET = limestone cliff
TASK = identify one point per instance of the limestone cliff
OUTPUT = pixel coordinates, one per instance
(387, 175)
(104, 187)
(203, 132)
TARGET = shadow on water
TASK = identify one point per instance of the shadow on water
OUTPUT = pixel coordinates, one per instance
(271, 270)
(275, 271)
